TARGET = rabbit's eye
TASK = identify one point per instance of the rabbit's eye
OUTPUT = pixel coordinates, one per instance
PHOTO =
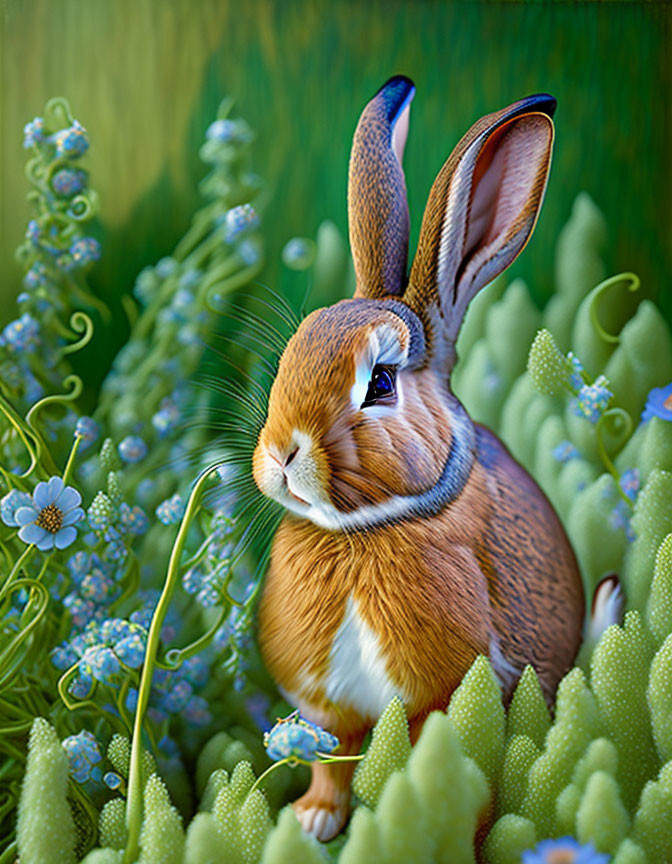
(381, 384)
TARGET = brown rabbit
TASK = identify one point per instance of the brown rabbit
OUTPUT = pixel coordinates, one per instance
(413, 541)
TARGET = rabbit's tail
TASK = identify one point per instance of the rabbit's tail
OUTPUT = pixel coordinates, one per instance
(607, 609)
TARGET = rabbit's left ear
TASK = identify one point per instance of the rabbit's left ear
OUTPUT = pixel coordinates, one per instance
(377, 205)
(480, 214)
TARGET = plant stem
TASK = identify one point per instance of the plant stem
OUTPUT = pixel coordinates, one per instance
(135, 784)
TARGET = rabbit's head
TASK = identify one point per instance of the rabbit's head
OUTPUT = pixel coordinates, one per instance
(362, 428)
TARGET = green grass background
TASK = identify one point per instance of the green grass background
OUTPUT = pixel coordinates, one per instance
(146, 76)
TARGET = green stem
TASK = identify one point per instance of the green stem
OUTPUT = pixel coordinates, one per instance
(596, 295)
(135, 785)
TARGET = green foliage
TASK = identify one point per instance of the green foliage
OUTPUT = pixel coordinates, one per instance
(509, 837)
(45, 830)
(521, 754)
(104, 856)
(653, 819)
(388, 751)
(162, 837)
(660, 699)
(528, 712)
(204, 842)
(652, 522)
(112, 824)
(602, 819)
(659, 604)
(403, 822)
(477, 714)
(287, 844)
(619, 676)
(364, 842)
(547, 365)
(451, 789)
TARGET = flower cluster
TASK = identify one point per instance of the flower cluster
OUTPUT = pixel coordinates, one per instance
(294, 737)
(593, 399)
(84, 756)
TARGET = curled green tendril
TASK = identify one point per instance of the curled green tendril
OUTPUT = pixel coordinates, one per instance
(80, 323)
(135, 779)
(608, 416)
(38, 602)
(83, 207)
(58, 110)
(597, 295)
(36, 172)
(293, 761)
(74, 382)
(26, 435)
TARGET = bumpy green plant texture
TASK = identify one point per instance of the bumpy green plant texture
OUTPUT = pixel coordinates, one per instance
(88, 630)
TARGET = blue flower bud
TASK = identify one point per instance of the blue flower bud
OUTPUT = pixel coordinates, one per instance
(71, 142)
(241, 220)
(85, 251)
(68, 182)
(132, 449)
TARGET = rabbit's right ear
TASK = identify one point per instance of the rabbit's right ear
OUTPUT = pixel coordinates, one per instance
(377, 205)
(480, 214)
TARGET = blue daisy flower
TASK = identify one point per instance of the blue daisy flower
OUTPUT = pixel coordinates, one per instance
(658, 404)
(49, 520)
(566, 850)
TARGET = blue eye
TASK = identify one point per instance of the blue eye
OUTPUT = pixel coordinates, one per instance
(381, 384)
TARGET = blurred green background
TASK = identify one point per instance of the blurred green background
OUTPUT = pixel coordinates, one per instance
(146, 76)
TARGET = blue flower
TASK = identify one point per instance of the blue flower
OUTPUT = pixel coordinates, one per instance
(85, 251)
(112, 780)
(565, 451)
(22, 334)
(229, 131)
(171, 510)
(68, 182)
(166, 418)
(12, 502)
(295, 737)
(166, 267)
(629, 482)
(81, 611)
(197, 712)
(131, 650)
(134, 519)
(49, 521)
(576, 377)
(658, 404)
(84, 756)
(72, 142)
(101, 662)
(33, 132)
(592, 399)
(566, 850)
(249, 252)
(36, 276)
(132, 449)
(298, 253)
(240, 220)
(88, 430)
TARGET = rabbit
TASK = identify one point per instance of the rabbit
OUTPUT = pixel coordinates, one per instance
(412, 541)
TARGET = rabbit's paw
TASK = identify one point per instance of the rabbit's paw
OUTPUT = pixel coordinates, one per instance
(322, 819)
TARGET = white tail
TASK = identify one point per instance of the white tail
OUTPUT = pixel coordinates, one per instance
(607, 609)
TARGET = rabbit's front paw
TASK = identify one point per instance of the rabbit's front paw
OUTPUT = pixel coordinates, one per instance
(322, 819)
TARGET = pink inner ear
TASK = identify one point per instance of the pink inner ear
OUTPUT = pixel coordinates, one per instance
(504, 198)
(400, 133)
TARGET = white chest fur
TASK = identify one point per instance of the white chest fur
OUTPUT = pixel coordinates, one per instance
(357, 674)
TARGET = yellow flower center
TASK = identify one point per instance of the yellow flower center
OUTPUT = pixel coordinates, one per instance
(50, 518)
(667, 404)
(561, 856)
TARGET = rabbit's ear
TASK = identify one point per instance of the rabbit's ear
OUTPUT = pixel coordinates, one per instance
(377, 205)
(480, 214)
